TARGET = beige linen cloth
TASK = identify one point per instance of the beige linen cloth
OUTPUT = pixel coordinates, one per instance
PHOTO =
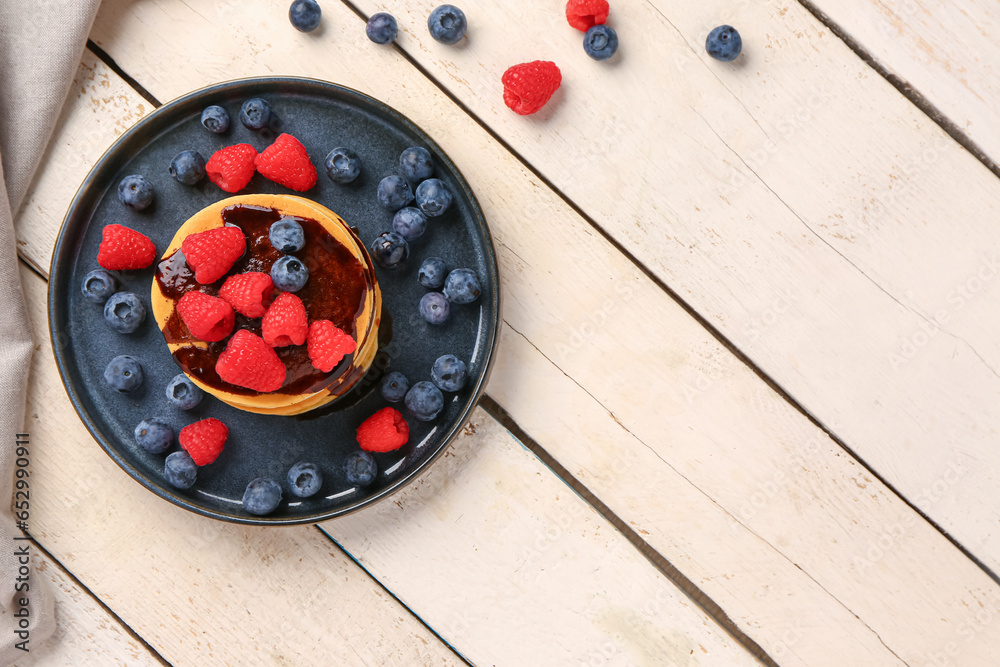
(41, 42)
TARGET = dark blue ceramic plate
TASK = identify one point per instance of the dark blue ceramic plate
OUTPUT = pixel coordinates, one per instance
(323, 116)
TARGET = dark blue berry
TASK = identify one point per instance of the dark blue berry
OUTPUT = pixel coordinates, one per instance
(724, 43)
(305, 15)
(449, 373)
(98, 286)
(123, 374)
(184, 393)
(390, 250)
(255, 114)
(410, 223)
(432, 273)
(262, 496)
(382, 28)
(154, 435)
(342, 165)
(424, 401)
(188, 167)
(215, 119)
(394, 387)
(360, 468)
(289, 274)
(394, 192)
(433, 197)
(286, 235)
(600, 42)
(416, 164)
(447, 24)
(462, 286)
(305, 479)
(135, 192)
(124, 312)
(434, 308)
(180, 470)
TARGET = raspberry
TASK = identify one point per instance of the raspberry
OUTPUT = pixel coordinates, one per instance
(232, 167)
(287, 163)
(285, 322)
(204, 440)
(207, 317)
(249, 362)
(528, 86)
(124, 249)
(213, 252)
(327, 345)
(248, 293)
(384, 431)
(585, 14)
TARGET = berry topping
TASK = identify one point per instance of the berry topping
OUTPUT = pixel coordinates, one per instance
(424, 401)
(433, 197)
(585, 14)
(528, 86)
(327, 345)
(232, 167)
(255, 114)
(449, 373)
(208, 318)
(724, 43)
(384, 431)
(204, 440)
(287, 163)
(410, 223)
(183, 393)
(394, 387)
(462, 286)
(286, 235)
(305, 479)
(289, 273)
(432, 273)
(154, 435)
(382, 28)
(342, 165)
(215, 119)
(188, 167)
(394, 192)
(434, 308)
(600, 42)
(249, 362)
(124, 312)
(447, 24)
(285, 322)
(123, 373)
(98, 286)
(360, 468)
(390, 250)
(304, 15)
(248, 293)
(124, 249)
(415, 164)
(211, 253)
(180, 470)
(262, 496)
(135, 192)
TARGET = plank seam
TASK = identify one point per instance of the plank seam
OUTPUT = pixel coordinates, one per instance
(103, 56)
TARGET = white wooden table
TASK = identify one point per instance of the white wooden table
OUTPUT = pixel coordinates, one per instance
(747, 398)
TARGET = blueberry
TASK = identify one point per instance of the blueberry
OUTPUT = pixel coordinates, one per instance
(123, 374)
(394, 192)
(255, 114)
(124, 312)
(424, 401)
(183, 393)
(434, 308)
(286, 235)
(289, 274)
(342, 165)
(449, 373)
(447, 24)
(415, 163)
(98, 285)
(215, 119)
(462, 286)
(390, 250)
(382, 28)
(600, 42)
(724, 43)
(394, 387)
(262, 496)
(433, 197)
(188, 167)
(304, 479)
(360, 468)
(305, 15)
(180, 470)
(135, 192)
(410, 223)
(154, 435)
(432, 273)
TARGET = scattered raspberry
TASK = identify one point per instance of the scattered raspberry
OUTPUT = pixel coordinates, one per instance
(287, 163)
(204, 440)
(528, 86)
(585, 14)
(248, 293)
(207, 317)
(213, 252)
(327, 345)
(384, 431)
(124, 249)
(232, 167)
(249, 362)
(285, 322)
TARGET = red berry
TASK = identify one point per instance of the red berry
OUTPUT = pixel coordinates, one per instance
(585, 14)
(249, 362)
(285, 322)
(207, 317)
(287, 163)
(528, 86)
(124, 249)
(232, 167)
(204, 440)
(327, 345)
(248, 293)
(384, 431)
(213, 252)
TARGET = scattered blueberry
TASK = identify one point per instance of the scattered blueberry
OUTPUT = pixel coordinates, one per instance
(424, 401)
(724, 43)
(600, 42)
(462, 286)
(382, 28)
(394, 192)
(289, 274)
(154, 435)
(433, 197)
(124, 312)
(390, 250)
(360, 468)
(416, 164)
(184, 393)
(449, 373)
(135, 192)
(98, 285)
(123, 374)
(342, 165)
(304, 479)
(447, 24)
(262, 496)
(305, 15)
(394, 387)
(432, 273)
(180, 470)
(410, 223)
(188, 167)
(255, 114)
(286, 235)
(434, 308)
(215, 119)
